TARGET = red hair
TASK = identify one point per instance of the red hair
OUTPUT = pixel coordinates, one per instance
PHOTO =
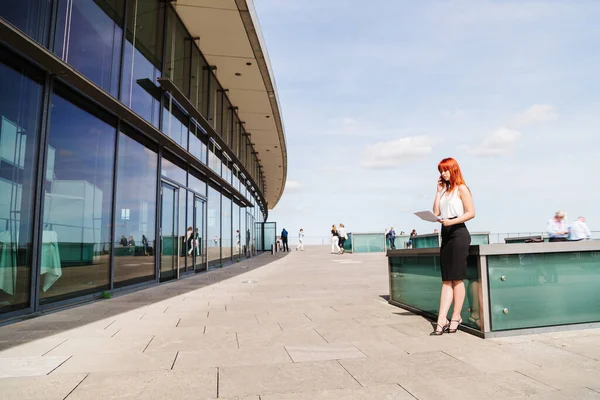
(456, 178)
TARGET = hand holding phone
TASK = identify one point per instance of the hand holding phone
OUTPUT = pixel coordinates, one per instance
(441, 184)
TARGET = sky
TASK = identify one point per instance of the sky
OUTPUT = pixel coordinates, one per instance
(374, 94)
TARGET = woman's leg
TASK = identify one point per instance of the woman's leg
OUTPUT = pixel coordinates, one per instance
(459, 299)
(333, 243)
(445, 302)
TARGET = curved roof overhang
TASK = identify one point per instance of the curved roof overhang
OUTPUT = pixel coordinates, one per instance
(230, 39)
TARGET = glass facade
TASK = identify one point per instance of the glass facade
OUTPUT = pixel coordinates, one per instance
(89, 38)
(77, 216)
(135, 213)
(226, 228)
(20, 107)
(95, 203)
(213, 233)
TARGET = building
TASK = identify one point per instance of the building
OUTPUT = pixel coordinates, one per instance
(140, 141)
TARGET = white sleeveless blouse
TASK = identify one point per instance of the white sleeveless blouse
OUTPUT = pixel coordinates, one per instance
(451, 206)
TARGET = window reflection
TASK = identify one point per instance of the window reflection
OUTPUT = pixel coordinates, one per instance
(173, 172)
(143, 58)
(235, 228)
(77, 203)
(196, 184)
(213, 216)
(89, 36)
(226, 228)
(175, 124)
(214, 159)
(243, 236)
(198, 140)
(135, 216)
(30, 16)
(20, 106)
(178, 53)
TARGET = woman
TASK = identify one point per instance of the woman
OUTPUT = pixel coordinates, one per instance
(335, 238)
(410, 240)
(454, 204)
(343, 236)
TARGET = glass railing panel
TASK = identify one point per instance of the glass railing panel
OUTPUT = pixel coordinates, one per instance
(348, 244)
(544, 289)
(425, 242)
(369, 242)
(415, 281)
(480, 238)
(400, 242)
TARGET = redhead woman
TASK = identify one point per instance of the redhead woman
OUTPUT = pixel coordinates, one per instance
(454, 204)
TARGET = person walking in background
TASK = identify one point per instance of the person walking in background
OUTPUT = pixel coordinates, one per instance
(410, 240)
(335, 240)
(557, 228)
(284, 240)
(454, 204)
(579, 230)
(145, 244)
(300, 240)
(392, 237)
(343, 236)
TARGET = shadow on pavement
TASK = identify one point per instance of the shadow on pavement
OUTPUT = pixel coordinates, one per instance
(49, 323)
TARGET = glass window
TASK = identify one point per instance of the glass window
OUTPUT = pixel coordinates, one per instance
(214, 158)
(197, 80)
(30, 16)
(77, 203)
(243, 243)
(20, 106)
(143, 58)
(182, 231)
(198, 141)
(135, 216)
(196, 184)
(237, 248)
(178, 53)
(173, 172)
(175, 124)
(213, 216)
(226, 228)
(227, 121)
(234, 179)
(214, 99)
(225, 171)
(88, 36)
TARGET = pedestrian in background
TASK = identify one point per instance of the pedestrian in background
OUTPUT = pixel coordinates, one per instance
(557, 228)
(300, 240)
(343, 236)
(284, 240)
(335, 240)
(392, 237)
(579, 230)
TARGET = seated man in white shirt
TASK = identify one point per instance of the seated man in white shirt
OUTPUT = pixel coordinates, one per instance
(579, 230)
(557, 228)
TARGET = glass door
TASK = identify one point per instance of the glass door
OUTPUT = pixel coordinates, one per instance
(169, 243)
(199, 235)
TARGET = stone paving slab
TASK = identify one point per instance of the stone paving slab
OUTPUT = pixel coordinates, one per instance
(43, 387)
(313, 326)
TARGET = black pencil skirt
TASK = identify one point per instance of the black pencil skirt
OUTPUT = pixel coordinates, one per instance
(454, 251)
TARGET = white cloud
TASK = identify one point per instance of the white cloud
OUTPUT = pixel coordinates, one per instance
(499, 142)
(292, 185)
(392, 153)
(535, 114)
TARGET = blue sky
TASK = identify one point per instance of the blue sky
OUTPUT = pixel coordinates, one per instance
(375, 93)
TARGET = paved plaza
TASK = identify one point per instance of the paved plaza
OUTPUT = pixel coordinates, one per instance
(307, 325)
